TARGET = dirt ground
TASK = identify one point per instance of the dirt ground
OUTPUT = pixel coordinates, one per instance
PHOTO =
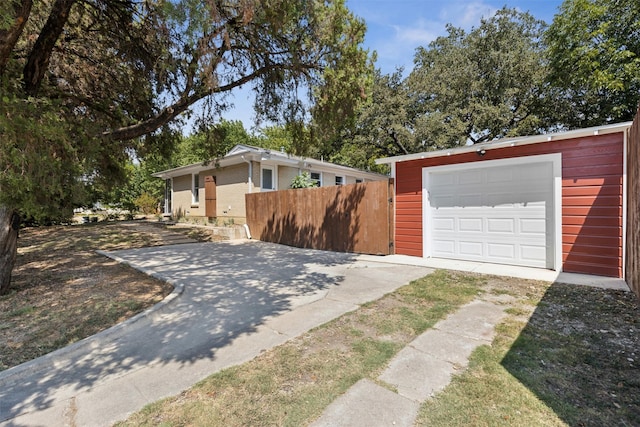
(63, 291)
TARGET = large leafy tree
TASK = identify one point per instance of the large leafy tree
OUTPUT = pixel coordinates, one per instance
(211, 142)
(485, 84)
(383, 125)
(594, 54)
(87, 83)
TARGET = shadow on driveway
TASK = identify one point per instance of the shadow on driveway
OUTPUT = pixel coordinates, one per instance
(230, 290)
(580, 355)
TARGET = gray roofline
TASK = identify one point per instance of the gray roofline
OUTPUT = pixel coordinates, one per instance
(258, 154)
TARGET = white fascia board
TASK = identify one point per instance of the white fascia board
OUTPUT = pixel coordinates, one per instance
(321, 166)
(510, 142)
(182, 170)
(199, 167)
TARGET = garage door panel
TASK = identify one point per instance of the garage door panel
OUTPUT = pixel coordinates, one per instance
(442, 201)
(500, 175)
(502, 251)
(470, 248)
(442, 180)
(472, 177)
(470, 225)
(533, 253)
(469, 200)
(494, 214)
(501, 225)
(444, 224)
(444, 248)
(532, 226)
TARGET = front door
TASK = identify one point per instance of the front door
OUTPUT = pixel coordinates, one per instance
(210, 196)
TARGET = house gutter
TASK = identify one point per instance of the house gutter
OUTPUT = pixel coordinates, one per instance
(250, 177)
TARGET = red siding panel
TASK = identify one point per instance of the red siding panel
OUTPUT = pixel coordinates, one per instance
(591, 199)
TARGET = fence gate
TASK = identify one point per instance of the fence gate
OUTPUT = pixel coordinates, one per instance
(343, 218)
(632, 273)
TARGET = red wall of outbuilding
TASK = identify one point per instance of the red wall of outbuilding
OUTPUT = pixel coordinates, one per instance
(592, 173)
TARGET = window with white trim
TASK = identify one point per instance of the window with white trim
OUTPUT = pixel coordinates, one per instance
(358, 180)
(267, 179)
(195, 189)
(339, 180)
(316, 177)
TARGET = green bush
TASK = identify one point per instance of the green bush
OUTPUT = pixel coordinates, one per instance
(303, 181)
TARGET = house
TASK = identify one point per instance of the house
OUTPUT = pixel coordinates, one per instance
(553, 201)
(217, 189)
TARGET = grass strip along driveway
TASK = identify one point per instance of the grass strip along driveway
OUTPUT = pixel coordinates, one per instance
(565, 355)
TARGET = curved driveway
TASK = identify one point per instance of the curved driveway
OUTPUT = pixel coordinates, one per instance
(232, 301)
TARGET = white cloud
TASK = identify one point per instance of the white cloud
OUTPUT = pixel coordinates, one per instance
(422, 33)
(465, 14)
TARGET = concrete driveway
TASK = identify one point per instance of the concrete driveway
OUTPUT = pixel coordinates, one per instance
(232, 300)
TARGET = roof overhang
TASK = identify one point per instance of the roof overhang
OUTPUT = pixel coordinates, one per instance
(244, 154)
(510, 142)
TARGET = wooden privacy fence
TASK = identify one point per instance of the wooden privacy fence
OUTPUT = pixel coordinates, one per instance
(344, 218)
(632, 269)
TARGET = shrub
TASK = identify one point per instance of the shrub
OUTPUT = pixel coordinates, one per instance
(146, 203)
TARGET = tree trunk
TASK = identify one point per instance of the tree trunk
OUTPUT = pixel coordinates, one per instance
(9, 37)
(9, 226)
(38, 60)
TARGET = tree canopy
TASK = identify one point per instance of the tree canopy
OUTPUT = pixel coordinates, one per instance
(117, 73)
(481, 85)
(594, 55)
(86, 84)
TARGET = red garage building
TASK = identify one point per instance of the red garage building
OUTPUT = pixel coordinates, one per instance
(552, 201)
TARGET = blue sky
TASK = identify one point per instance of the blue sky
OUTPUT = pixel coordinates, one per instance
(395, 28)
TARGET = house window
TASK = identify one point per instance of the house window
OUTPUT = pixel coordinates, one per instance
(358, 180)
(267, 179)
(339, 180)
(316, 177)
(195, 189)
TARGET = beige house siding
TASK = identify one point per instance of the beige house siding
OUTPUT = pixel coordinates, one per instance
(328, 179)
(231, 186)
(285, 176)
(181, 195)
(255, 177)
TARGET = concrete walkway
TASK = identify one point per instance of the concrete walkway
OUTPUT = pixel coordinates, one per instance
(418, 371)
(231, 302)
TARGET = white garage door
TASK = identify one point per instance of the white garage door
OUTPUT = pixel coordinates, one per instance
(498, 214)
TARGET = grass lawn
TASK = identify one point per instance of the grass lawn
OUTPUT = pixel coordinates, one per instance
(572, 361)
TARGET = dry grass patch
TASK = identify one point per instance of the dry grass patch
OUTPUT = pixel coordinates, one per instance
(62, 291)
(568, 357)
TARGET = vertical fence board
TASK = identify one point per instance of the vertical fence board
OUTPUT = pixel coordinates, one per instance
(632, 269)
(345, 218)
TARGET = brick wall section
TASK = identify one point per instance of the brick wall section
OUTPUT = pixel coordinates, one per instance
(591, 197)
(632, 266)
